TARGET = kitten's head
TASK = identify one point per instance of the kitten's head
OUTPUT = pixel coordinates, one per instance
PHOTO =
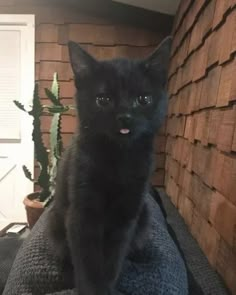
(122, 99)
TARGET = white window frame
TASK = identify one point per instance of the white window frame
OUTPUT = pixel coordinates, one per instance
(27, 24)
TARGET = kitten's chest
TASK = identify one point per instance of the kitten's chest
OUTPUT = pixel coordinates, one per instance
(124, 168)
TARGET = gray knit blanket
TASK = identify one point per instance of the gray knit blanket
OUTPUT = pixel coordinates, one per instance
(158, 269)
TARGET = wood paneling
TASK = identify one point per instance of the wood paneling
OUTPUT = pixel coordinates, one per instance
(202, 151)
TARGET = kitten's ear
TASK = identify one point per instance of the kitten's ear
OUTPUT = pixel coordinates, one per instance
(159, 59)
(82, 63)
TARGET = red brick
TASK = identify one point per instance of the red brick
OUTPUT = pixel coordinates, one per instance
(46, 123)
(177, 150)
(200, 155)
(90, 33)
(68, 124)
(191, 98)
(160, 144)
(42, 86)
(201, 195)
(233, 85)
(227, 37)
(158, 177)
(186, 151)
(201, 61)
(167, 163)
(64, 53)
(180, 176)
(174, 169)
(233, 45)
(206, 128)
(37, 71)
(225, 85)
(212, 86)
(108, 52)
(67, 89)
(111, 35)
(186, 100)
(196, 37)
(186, 209)
(47, 33)
(177, 104)
(234, 141)
(169, 144)
(219, 12)
(172, 190)
(186, 75)
(209, 171)
(187, 180)
(181, 10)
(181, 125)
(209, 241)
(159, 161)
(223, 218)
(204, 93)
(232, 195)
(217, 179)
(225, 176)
(124, 35)
(181, 198)
(208, 14)
(214, 47)
(171, 84)
(162, 129)
(49, 51)
(66, 139)
(226, 130)
(200, 123)
(48, 68)
(226, 265)
(198, 92)
(215, 121)
(197, 224)
(189, 128)
(178, 82)
(63, 35)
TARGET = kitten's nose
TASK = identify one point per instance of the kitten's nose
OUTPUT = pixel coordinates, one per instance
(124, 118)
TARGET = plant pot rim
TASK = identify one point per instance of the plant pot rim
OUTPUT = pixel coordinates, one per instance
(32, 201)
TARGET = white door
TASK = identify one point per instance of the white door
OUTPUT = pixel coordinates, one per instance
(16, 82)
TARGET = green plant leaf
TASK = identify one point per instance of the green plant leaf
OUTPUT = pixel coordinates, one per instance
(27, 173)
(52, 97)
(19, 105)
(55, 136)
(57, 109)
(41, 153)
(55, 88)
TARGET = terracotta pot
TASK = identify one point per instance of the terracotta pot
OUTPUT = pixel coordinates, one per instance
(34, 208)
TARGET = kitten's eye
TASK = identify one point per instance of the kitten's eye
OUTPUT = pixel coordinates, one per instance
(144, 99)
(103, 100)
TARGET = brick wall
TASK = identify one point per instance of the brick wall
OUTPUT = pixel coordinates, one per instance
(201, 128)
(56, 24)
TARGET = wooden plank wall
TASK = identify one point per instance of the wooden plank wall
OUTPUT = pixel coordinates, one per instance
(56, 24)
(201, 144)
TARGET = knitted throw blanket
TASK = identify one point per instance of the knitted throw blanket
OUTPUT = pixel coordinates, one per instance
(159, 269)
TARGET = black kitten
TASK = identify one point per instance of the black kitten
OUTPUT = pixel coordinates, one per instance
(99, 213)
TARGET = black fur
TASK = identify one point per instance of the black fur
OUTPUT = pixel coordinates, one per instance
(99, 212)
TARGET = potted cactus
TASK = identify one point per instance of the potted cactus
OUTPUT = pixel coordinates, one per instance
(46, 158)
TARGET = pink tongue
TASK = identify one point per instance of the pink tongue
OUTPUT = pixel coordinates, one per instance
(124, 131)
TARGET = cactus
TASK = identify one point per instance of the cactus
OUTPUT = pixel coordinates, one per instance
(47, 159)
